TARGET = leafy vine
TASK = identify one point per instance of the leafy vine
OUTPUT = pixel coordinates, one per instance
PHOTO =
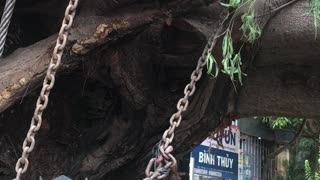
(231, 60)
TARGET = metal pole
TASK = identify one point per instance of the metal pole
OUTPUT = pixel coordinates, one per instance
(5, 22)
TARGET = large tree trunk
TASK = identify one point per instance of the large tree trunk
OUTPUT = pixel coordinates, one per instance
(125, 67)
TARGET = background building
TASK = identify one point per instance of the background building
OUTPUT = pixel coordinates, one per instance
(249, 145)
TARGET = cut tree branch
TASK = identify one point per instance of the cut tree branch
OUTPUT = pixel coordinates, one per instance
(23, 70)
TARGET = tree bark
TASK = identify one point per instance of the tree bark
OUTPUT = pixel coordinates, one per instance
(283, 79)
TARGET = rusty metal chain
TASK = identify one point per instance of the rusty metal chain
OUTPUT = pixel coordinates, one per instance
(42, 102)
(159, 166)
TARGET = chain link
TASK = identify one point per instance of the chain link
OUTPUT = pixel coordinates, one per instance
(159, 167)
(48, 83)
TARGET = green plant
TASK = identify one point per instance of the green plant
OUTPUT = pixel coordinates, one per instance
(280, 177)
(232, 4)
(282, 122)
(231, 60)
(211, 61)
(308, 173)
(251, 31)
(307, 170)
(295, 167)
(315, 11)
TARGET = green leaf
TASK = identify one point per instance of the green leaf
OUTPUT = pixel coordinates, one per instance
(211, 61)
(307, 170)
(251, 31)
(209, 64)
(237, 61)
(232, 4)
(315, 11)
(231, 63)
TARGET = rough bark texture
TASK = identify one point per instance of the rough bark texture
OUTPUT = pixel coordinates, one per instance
(284, 77)
(126, 66)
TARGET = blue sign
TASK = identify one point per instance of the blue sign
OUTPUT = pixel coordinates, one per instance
(212, 162)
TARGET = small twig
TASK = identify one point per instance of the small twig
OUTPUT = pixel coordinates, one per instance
(299, 133)
(278, 8)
